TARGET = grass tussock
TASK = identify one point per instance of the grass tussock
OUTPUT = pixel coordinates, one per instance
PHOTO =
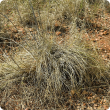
(49, 71)
(52, 70)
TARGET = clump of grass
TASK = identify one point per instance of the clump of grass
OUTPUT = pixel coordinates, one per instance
(51, 69)
(46, 70)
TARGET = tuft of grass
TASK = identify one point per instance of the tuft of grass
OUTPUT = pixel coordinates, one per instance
(47, 70)
(52, 70)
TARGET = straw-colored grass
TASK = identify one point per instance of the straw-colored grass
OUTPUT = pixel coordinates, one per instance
(53, 70)
(47, 70)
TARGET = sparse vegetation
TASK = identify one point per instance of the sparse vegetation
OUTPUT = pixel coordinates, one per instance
(42, 69)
